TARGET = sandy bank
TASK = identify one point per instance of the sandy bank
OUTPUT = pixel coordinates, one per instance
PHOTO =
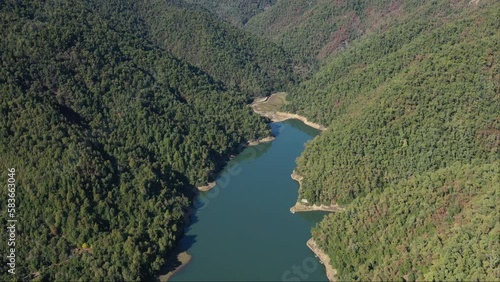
(259, 141)
(269, 107)
(250, 143)
(282, 116)
(331, 273)
(297, 177)
(207, 187)
(300, 207)
(184, 258)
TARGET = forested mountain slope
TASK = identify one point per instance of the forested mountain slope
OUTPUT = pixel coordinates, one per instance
(107, 133)
(315, 29)
(412, 147)
(436, 226)
(113, 110)
(237, 12)
(241, 60)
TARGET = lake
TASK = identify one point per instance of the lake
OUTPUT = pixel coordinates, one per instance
(243, 229)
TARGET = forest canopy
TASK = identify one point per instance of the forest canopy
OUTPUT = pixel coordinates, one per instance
(412, 146)
(114, 111)
(243, 61)
(108, 134)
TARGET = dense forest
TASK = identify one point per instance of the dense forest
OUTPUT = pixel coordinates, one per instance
(236, 12)
(114, 111)
(108, 133)
(314, 29)
(411, 148)
(241, 60)
(423, 101)
(436, 226)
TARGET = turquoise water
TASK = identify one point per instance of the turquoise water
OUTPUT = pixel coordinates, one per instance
(243, 229)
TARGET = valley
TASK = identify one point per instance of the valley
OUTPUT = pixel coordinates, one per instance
(158, 134)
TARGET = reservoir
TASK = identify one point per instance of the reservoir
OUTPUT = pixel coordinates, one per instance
(243, 229)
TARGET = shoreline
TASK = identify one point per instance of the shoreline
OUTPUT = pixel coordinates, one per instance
(331, 273)
(275, 115)
(207, 187)
(300, 207)
(282, 116)
(295, 176)
(249, 143)
(184, 258)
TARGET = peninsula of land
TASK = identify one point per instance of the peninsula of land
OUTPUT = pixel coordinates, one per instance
(269, 107)
(302, 205)
(184, 258)
(207, 187)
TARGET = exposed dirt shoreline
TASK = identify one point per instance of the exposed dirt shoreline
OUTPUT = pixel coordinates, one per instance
(282, 116)
(270, 107)
(331, 273)
(275, 116)
(259, 141)
(207, 187)
(295, 176)
(250, 143)
(184, 258)
(301, 207)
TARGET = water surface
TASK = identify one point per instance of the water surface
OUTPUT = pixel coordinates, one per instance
(243, 229)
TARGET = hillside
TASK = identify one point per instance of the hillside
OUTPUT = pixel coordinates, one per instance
(252, 65)
(108, 134)
(315, 29)
(411, 148)
(437, 226)
(237, 12)
(114, 111)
